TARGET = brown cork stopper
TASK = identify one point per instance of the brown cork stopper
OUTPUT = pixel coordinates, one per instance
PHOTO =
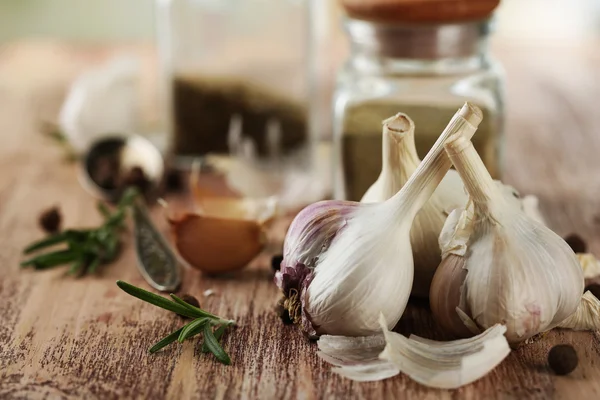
(419, 11)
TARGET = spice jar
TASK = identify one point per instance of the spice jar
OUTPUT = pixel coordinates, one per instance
(234, 62)
(422, 58)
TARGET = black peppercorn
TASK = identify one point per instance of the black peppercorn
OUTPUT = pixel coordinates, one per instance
(276, 262)
(50, 220)
(562, 359)
(576, 242)
(173, 181)
(188, 298)
(284, 314)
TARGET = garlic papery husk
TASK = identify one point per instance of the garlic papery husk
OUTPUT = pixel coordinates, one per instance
(400, 160)
(445, 365)
(518, 272)
(587, 316)
(589, 265)
(345, 262)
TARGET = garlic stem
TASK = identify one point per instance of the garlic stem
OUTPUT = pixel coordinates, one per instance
(430, 172)
(478, 181)
(398, 144)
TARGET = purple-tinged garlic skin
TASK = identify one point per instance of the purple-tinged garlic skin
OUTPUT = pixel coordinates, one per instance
(309, 235)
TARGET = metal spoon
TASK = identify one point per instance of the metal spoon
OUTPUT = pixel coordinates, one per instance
(157, 262)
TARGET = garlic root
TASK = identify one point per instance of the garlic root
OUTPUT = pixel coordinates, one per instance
(587, 315)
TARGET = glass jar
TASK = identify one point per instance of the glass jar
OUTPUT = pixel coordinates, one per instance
(424, 70)
(232, 66)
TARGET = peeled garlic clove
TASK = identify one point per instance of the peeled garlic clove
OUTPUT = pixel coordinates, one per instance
(587, 315)
(217, 245)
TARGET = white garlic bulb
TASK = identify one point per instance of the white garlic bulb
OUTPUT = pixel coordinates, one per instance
(345, 262)
(500, 265)
(400, 160)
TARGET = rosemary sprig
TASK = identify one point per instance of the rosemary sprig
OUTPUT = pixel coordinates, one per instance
(84, 249)
(203, 322)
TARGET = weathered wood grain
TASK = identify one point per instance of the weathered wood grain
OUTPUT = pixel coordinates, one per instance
(83, 338)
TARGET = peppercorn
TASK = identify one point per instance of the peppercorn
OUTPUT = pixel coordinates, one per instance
(576, 242)
(284, 314)
(276, 262)
(173, 181)
(188, 298)
(562, 359)
(50, 220)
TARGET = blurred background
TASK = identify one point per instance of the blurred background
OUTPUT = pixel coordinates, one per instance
(550, 50)
(110, 21)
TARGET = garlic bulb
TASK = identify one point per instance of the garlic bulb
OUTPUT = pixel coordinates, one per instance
(499, 265)
(400, 160)
(346, 262)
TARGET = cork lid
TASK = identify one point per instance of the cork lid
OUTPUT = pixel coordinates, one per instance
(419, 11)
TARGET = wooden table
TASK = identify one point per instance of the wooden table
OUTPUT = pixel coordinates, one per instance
(62, 337)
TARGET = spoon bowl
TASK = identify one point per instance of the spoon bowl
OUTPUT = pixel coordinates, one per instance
(113, 162)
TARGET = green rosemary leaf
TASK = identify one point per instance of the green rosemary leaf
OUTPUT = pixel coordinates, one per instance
(49, 241)
(76, 267)
(193, 328)
(218, 333)
(157, 300)
(214, 347)
(51, 259)
(103, 209)
(93, 266)
(200, 313)
(166, 341)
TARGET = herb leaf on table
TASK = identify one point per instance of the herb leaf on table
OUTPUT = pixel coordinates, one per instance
(84, 249)
(203, 322)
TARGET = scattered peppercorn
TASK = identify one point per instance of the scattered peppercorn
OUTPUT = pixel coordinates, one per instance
(284, 314)
(576, 242)
(562, 359)
(136, 177)
(173, 181)
(188, 298)
(50, 220)
(276, 262)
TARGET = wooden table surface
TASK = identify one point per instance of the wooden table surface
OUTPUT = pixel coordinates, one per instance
(62, 337)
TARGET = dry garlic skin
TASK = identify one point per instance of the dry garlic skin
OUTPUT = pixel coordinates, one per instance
(336, 296)
(532, 282)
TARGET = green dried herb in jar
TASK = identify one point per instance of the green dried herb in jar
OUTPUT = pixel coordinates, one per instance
(424, 68)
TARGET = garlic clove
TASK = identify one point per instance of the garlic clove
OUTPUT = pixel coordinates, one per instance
(587, 315)
(215, 205)
(446, 365)
(448, 285)
(217, 245)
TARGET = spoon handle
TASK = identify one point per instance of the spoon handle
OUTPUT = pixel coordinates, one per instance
(157, 262)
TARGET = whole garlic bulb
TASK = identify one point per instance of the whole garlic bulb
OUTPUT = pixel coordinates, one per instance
(500, 265)
(345, 262)
(400, 160)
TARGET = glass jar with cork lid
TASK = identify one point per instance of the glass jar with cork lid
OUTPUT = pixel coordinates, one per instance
(421, 57)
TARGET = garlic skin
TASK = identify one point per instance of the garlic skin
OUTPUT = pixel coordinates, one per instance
(519, 273)
(442, 365)
(400, 160)
(346, 262)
